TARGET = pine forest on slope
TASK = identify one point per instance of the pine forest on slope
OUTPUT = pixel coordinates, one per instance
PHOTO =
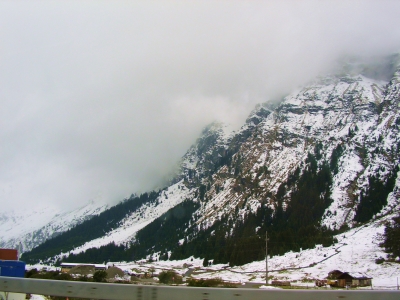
(323, 159)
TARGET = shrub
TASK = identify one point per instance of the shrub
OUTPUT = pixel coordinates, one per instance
(379, 260)
(100, 276)
(212, 282)
(31, 272)
(170, 277)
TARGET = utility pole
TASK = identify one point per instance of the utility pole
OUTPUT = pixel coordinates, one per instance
(266, 257)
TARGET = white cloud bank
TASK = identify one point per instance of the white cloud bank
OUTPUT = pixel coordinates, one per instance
(99, 99)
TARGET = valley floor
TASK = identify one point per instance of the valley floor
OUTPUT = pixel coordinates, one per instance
(355, 251)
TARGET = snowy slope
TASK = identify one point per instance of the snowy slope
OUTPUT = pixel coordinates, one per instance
(25, 229)
(125, 233)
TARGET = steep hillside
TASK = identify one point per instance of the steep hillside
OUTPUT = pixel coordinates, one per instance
(26, 229)
(347, 123)
(323, 159)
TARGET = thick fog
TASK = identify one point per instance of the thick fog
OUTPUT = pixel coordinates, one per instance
(100, 99)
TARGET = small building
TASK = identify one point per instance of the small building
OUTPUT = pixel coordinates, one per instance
(66, 267)
(354, 279)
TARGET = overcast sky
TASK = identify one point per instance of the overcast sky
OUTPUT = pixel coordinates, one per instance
(99, 99)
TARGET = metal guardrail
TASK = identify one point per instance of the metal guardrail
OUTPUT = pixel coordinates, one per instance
(142, 292)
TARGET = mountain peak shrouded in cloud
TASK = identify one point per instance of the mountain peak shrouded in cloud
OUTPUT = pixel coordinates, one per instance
(103, 98)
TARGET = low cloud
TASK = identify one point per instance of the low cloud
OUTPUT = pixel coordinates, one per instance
(101, 99)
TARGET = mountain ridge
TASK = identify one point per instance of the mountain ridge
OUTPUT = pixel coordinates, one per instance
(24, 230)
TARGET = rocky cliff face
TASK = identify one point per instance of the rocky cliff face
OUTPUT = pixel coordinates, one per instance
(349, 122)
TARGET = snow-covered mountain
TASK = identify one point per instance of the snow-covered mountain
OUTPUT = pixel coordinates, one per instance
(352, 121)
(25, 229)
(322, 159)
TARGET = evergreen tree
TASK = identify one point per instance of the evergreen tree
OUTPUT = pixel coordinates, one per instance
(336, 153)
(205, 262)
(392, 238)
(375, 198)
